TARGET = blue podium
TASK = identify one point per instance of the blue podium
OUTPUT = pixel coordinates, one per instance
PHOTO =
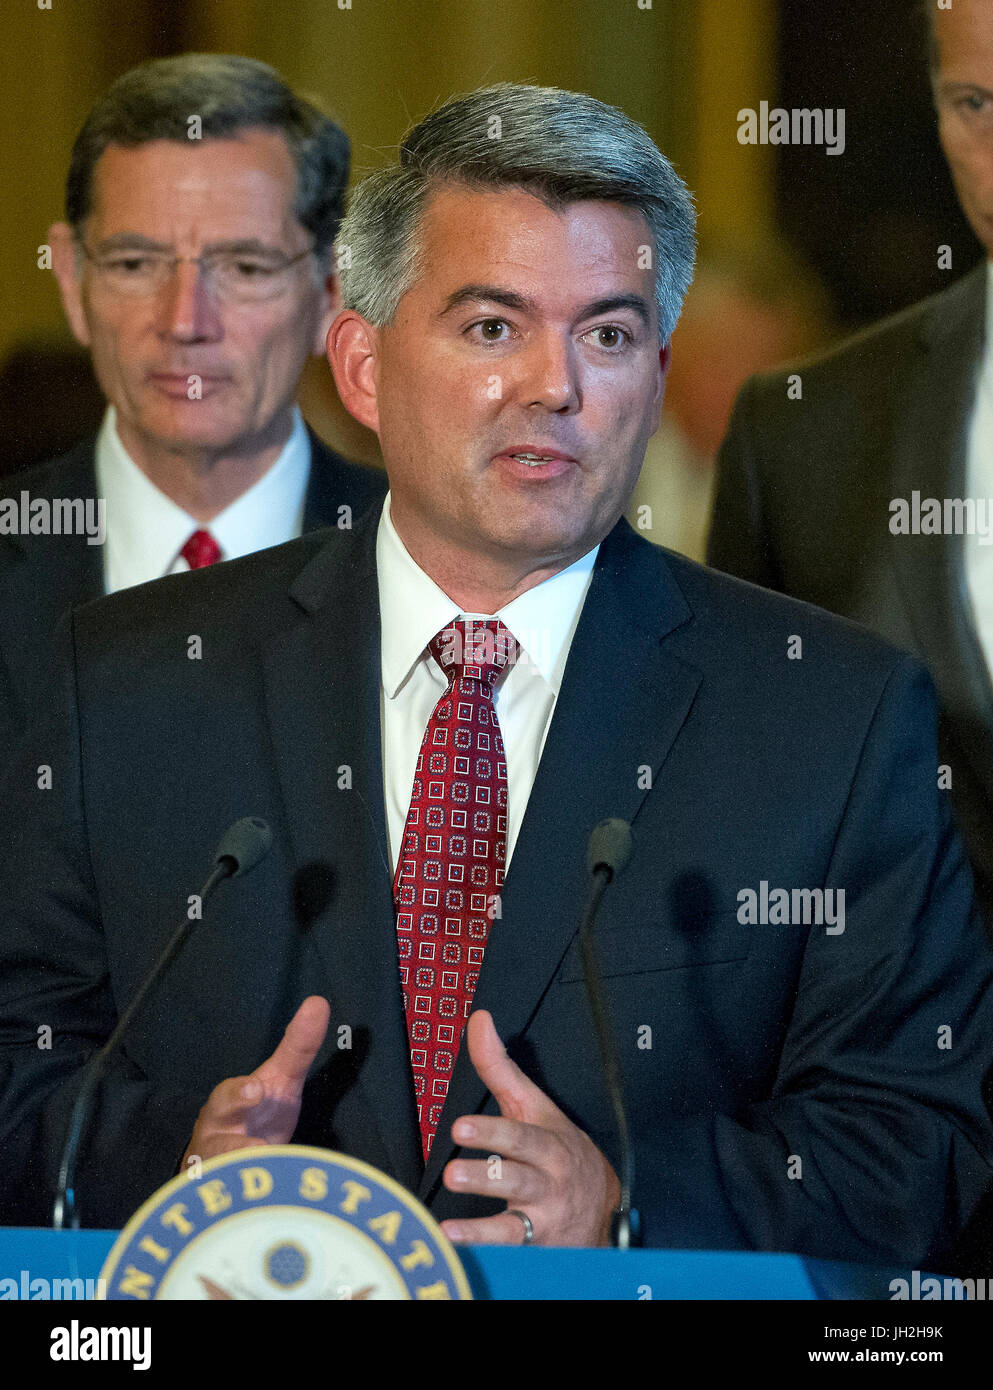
(35, 1258)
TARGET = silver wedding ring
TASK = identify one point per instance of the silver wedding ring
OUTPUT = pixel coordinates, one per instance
(528, 1228)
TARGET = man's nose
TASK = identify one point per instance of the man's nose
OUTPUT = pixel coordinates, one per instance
(550, 373)
(188, 311)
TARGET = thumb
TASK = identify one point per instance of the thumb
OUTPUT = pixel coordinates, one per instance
(300, 1044)
(516, 1094)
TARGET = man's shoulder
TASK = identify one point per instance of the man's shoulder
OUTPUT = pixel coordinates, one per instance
(873, 356)
(71, 474)
(758, 637)
(252, 594)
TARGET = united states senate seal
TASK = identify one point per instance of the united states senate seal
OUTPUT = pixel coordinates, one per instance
(283, 1222)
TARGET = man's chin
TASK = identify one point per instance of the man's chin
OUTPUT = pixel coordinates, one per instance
(547, 541)
(187, 432)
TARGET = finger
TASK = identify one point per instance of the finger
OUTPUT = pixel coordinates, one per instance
(496, 1134)
(299, 1045)
(227, 1144)
(519, 1184)
(515, 1093)
(504, 1229)
(230, 1102)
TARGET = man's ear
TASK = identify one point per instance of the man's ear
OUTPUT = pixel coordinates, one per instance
(352, 347)
(65, 265)
(330, 309)
(665, 357)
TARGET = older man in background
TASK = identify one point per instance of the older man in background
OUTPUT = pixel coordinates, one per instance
(196, 264)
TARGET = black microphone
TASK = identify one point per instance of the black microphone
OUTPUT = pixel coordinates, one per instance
(242, 846)
(607, 852)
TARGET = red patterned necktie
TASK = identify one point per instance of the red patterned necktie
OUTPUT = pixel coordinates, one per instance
(201, 549)
(451, 863)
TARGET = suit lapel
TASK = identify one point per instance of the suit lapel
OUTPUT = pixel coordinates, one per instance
(322, 680)
(929, 449)
(617, 680)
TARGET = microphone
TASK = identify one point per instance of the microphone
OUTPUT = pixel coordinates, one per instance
(607, 852)
(242, 846)
(609, 847)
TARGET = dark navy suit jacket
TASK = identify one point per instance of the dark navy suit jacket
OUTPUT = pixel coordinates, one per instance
(790, 1088)
(41, 577)
(803, 505)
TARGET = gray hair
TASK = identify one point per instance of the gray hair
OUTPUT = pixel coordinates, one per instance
(562, 147)
(229, 94)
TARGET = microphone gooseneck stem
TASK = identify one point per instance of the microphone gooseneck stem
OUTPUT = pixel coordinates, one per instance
(65, 1200)
(624, 1231)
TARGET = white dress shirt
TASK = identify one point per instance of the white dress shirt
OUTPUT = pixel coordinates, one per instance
(413, 610)
(979, 484)
(146, 530)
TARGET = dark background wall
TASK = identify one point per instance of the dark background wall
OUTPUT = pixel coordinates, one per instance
(869, 221)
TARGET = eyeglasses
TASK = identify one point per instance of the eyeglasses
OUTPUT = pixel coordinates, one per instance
(244, 277)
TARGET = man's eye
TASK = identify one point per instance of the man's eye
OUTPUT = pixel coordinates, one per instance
(129, 265)
(490, 330)
(610, 337)
(248, 270)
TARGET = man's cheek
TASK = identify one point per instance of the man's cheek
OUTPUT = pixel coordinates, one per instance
(483, 390)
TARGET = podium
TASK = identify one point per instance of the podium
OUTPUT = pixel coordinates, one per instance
(38, 1257)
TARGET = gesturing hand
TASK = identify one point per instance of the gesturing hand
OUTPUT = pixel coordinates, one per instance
(550, 1169)
(263, 1108)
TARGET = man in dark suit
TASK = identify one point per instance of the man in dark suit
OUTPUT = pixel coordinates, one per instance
(196, 265)
(795, 971)
(811, 489)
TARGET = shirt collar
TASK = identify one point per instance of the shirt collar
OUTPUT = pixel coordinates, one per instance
(147, 529)
(414, 609)
(988, 348)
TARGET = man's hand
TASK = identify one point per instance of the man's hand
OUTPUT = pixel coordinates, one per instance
(548, 1168)
(263, 1108)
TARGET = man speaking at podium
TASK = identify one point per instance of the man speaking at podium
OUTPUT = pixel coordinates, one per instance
(432, 712)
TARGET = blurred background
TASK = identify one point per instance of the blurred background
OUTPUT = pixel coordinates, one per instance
(797, 247)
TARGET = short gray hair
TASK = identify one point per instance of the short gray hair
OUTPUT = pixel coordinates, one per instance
(229, 94)
(563, 147)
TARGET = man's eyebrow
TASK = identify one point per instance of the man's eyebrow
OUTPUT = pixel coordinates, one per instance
(134, 241)
(130, 241)
(612, 302)
(956, 88)
(493, 294)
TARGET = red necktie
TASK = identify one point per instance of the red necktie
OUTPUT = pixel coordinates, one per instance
(451, 864)
(201, 549)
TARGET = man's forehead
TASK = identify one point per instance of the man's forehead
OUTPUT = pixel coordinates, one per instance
(253, 159)
(964, 35)
(516, 232)
(224, 189)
